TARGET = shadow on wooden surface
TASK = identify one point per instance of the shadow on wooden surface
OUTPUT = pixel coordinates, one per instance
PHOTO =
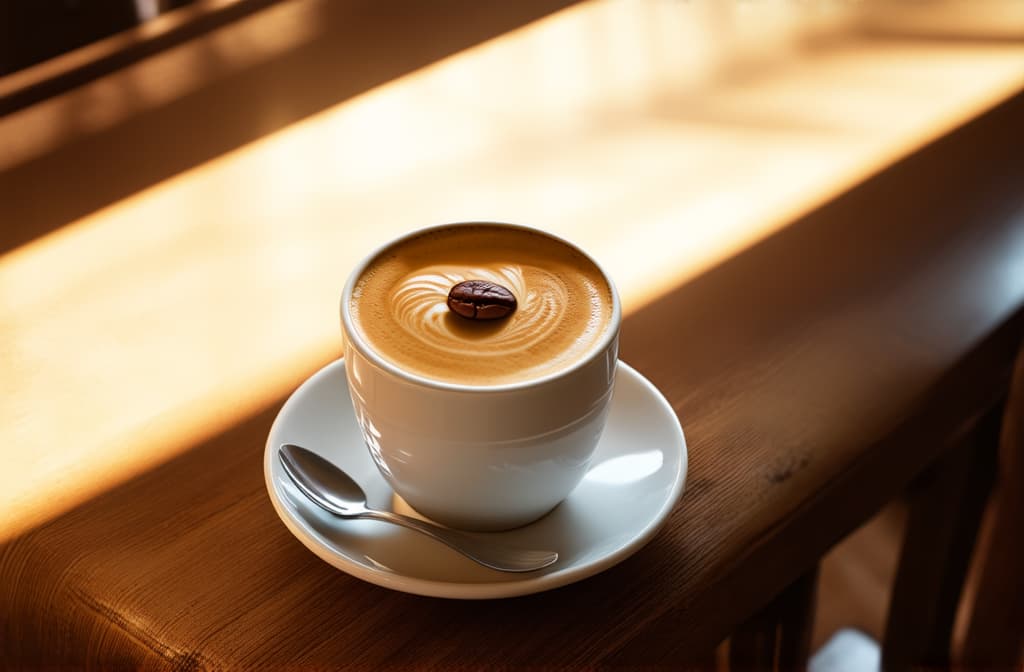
(357, 44)
(94, 40)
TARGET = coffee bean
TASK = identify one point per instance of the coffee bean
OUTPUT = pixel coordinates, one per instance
(480, 300)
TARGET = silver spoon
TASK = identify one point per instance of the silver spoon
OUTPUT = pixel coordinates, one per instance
(334, 491)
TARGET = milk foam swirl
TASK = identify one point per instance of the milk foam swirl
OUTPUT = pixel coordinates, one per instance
(418, 306)
(564, 305)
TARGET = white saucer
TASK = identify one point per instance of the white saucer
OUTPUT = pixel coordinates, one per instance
(636, 480)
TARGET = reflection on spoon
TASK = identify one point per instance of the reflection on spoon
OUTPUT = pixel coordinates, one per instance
(334, 491)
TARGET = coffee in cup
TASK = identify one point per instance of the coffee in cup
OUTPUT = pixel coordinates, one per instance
(563, 305)
(482, 424)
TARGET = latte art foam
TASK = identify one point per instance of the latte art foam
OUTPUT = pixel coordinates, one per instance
(399, 307)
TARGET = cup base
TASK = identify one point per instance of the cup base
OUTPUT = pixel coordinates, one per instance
(403, 507)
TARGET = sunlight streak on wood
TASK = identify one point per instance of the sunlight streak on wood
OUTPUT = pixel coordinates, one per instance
(133, 333)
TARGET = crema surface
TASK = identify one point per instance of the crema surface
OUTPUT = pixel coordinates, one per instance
(398, 305)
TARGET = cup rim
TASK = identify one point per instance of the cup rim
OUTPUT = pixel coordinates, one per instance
(355, 339)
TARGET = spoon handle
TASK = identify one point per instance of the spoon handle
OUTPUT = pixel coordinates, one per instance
(487, 553)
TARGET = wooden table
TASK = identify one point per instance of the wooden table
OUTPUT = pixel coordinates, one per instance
(816, 374)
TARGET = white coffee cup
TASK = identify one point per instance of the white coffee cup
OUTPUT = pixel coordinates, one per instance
(478, 457)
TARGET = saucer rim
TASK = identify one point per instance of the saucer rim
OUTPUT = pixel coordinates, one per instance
(527, 585)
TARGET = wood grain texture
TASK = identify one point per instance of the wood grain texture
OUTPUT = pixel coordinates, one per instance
(815, 375)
